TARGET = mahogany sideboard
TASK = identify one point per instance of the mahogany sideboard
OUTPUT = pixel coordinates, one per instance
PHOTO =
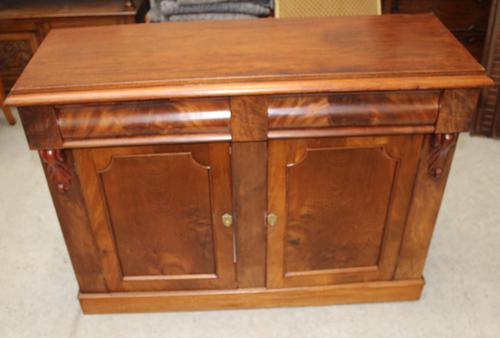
(248, 163)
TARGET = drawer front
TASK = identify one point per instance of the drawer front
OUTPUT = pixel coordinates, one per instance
(344, 110)
(143, 119)
(252, 118)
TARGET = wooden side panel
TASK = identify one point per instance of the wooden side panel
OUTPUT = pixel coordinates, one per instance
(435, 162)
(249, 118)
(457, 108)
(341, 207)
(156, 213)
(343, 110)
(40, 127)
(249, 166)
(75, 226)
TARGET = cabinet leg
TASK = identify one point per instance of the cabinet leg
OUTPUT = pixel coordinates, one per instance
(6, 111)
(8, 115)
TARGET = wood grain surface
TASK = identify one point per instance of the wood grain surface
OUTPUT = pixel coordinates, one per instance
(249, 118)
(359, 109)
(75, 226)
(343, 128)
(241, 57)
(341, 205)
(457, 110)
(156, 215)
(251, 298)
(144, 118)
(28, 9)
(249, 174)
(41, 127)
(426, 200)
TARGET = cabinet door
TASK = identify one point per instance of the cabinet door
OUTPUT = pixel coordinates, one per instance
(341, 206)
(156, 214)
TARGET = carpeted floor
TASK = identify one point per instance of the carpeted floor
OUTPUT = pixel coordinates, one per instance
(461, 299)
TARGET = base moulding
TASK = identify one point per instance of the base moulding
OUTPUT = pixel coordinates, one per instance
(122, 302)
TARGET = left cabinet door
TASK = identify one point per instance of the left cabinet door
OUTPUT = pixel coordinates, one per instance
(156, 215)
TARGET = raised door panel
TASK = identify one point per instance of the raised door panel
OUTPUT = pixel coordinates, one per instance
(156, 214)
(341, 206)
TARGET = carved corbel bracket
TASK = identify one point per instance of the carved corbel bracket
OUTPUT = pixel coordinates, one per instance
(441, 147)
(57, 170)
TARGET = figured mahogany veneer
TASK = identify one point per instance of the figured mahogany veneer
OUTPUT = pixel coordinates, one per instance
(360, 109)
(144, 119)
(305, 166)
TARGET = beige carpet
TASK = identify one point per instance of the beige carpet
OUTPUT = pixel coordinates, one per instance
(461, 299)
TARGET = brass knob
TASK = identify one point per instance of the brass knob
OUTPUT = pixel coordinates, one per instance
(227, 220)
(272, 219)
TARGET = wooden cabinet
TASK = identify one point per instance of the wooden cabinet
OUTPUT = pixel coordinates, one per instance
(249, 182)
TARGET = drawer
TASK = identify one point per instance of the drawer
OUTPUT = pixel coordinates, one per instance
(354, 109)
(143, 119)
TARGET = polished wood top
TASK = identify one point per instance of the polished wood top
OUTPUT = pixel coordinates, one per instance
(27, 9)
(246, 57)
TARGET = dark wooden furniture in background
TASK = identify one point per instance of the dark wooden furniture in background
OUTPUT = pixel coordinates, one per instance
(6, 110)
(467, 19)
(216, 176)
(487, 121)
(25, 23)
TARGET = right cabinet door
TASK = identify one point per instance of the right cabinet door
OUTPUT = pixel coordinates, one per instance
(341, 206)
